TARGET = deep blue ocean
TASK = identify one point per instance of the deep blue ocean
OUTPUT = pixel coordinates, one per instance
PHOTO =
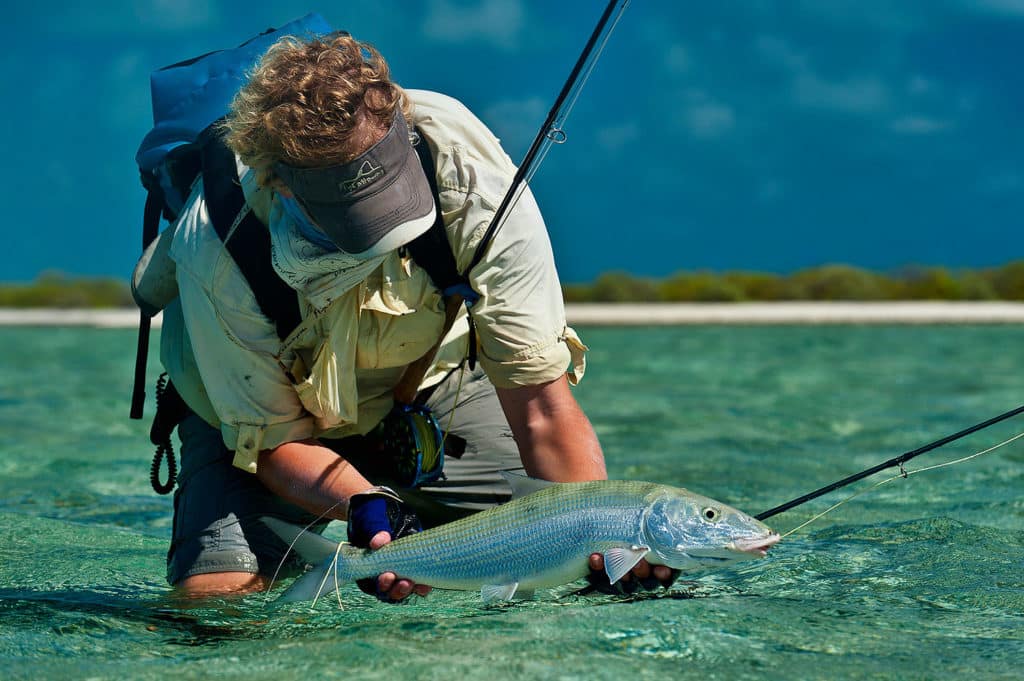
(921, 578)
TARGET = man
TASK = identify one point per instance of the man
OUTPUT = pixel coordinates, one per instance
(292, 428)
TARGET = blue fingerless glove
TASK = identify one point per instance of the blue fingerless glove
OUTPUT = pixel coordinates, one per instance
(367, 517)
(378, 509)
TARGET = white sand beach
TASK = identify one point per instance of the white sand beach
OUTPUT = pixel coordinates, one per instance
(803, 312)
(651, 314)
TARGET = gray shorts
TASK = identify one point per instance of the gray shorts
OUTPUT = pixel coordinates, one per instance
(217, 506)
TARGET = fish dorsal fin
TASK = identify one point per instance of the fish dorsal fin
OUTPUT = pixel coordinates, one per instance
(524, 484)
(619, 561)
(491, 593)
(310, 546)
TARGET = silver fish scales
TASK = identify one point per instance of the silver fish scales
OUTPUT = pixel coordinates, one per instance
(543, 539)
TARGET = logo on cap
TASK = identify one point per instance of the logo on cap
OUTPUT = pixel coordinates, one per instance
(367, 173)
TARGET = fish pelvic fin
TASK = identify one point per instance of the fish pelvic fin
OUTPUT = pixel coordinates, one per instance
(492, 593)
(523, 485)
(620, 560)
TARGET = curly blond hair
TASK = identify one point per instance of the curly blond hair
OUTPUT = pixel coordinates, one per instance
(313, 103)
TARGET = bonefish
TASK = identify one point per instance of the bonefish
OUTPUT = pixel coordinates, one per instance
(543, 539)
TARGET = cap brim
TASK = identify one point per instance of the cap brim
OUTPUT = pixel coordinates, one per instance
(374, 204)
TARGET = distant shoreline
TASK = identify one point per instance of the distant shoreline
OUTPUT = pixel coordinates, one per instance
(650, 314)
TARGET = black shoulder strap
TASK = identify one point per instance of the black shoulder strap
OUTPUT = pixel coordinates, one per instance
(250, 243)
(431, 250)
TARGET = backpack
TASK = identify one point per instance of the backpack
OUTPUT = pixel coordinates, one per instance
(191, 95)
(188, 97)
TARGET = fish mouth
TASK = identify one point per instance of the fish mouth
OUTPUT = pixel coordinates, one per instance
(755, 546)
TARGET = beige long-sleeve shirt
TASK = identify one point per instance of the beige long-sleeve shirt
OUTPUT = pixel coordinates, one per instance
(363, 322)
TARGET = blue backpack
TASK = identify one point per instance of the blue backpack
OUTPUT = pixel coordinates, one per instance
(190, 96)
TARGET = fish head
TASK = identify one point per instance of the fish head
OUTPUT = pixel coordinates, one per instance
(688, 531)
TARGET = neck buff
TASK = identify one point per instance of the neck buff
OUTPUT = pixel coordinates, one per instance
(308, 261)
(305, 226)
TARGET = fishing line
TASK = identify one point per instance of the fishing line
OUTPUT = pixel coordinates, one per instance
(455, 404)
(891, 463)
(291, 546)
(902, 474)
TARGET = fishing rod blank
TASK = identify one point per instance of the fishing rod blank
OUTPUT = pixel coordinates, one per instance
(891, 463)
(551, 131)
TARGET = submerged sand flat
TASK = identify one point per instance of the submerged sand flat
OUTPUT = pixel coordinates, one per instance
(650, 314)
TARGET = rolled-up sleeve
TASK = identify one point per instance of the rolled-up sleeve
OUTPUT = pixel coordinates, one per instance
(236, 347)
(520, 317)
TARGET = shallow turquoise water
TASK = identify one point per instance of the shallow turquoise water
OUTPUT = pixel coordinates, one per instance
(919, 579)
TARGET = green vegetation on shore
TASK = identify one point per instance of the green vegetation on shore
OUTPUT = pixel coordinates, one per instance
(54, 289)
(826, 283)
(829, 282)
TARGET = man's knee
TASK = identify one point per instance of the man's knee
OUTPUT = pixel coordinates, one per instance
(221, 584)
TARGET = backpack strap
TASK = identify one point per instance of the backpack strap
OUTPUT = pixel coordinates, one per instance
(431, 250)
(249, 245)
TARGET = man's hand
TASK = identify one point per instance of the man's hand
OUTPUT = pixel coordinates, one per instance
(643, 576)
(374, 517)
(389, 587)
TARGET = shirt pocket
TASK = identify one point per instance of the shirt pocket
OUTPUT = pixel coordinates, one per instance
(325, 378)
(325, 390)
(401, 316)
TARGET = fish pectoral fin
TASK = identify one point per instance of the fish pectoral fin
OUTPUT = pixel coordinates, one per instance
(620, 560)
(491, 593)
(523, 485)
(310, 546)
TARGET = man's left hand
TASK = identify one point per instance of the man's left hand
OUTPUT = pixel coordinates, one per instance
(389, 586)
(375, 517)
(643, 576)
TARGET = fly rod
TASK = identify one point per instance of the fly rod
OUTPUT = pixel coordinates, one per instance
(891, 463)
(551, 131)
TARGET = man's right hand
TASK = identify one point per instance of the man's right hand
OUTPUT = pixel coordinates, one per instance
(374, 518)
(389, 587)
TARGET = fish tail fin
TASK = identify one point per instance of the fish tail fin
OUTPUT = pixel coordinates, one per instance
(315, 550)
(314, 584)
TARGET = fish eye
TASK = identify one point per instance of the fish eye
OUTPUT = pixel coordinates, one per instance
(711, 514)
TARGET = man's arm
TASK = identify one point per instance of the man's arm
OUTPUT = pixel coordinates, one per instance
(555, 438)
(315, 478)
(557, 442)
(312, 477)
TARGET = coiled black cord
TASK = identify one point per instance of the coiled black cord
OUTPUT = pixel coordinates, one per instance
(162, 439)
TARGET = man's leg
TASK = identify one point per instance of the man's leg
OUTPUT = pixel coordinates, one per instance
(218, 544)
(466, 406)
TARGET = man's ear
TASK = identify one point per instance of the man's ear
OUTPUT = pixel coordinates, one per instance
(268, 180)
